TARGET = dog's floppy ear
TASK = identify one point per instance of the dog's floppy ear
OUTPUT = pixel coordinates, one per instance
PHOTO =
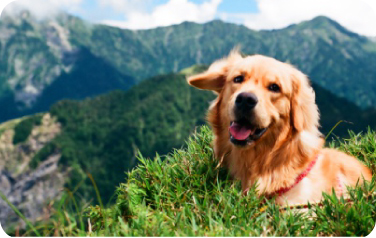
(304, 111)
(210, 80)
(215, 77)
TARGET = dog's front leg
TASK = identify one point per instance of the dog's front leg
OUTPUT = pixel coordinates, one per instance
(246, 185)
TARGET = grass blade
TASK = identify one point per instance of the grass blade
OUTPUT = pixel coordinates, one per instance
(335, 126)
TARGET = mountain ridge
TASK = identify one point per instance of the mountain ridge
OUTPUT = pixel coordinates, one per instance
(331, 55)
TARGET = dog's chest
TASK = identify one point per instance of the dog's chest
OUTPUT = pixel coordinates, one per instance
(310, 188)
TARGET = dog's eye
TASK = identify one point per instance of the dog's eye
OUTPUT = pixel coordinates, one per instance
(274, 88)
(239, 79)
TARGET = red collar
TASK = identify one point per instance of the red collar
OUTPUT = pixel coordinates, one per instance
(301, 176)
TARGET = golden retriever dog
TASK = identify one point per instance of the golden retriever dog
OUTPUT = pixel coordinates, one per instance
(265, 122)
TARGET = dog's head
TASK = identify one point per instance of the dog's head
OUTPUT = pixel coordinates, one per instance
(258, 94)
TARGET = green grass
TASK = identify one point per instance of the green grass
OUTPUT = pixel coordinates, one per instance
(186, 194)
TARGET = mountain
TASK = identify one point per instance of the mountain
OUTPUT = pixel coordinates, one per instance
(36, 53)
(102, 136)
(333, 57)
(40, 66)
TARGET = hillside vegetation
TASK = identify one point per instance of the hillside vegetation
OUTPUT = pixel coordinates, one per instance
(102, 136)
(186, 193)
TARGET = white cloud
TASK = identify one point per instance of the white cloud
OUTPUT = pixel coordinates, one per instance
(172, 12)
(356, 15)
(126, 6)
(4, 3)
(43, 8)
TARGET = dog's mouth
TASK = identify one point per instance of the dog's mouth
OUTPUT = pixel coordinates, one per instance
(243, 133)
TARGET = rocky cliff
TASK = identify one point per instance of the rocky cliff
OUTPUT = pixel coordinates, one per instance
(26, 188)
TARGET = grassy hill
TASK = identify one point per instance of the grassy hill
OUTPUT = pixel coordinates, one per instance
(38, 57)
(186, 194)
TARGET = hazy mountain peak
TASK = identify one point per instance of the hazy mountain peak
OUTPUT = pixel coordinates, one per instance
(323, 23)
(323, 19)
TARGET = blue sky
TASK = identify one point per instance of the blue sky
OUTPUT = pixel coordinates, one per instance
(357, 15)
(94, 11)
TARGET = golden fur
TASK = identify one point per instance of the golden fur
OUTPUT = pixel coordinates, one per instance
(292, 140)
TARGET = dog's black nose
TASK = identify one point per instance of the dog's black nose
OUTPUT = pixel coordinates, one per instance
(246, 101)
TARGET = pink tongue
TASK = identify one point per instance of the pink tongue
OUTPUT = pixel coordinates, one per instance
(240, 132)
